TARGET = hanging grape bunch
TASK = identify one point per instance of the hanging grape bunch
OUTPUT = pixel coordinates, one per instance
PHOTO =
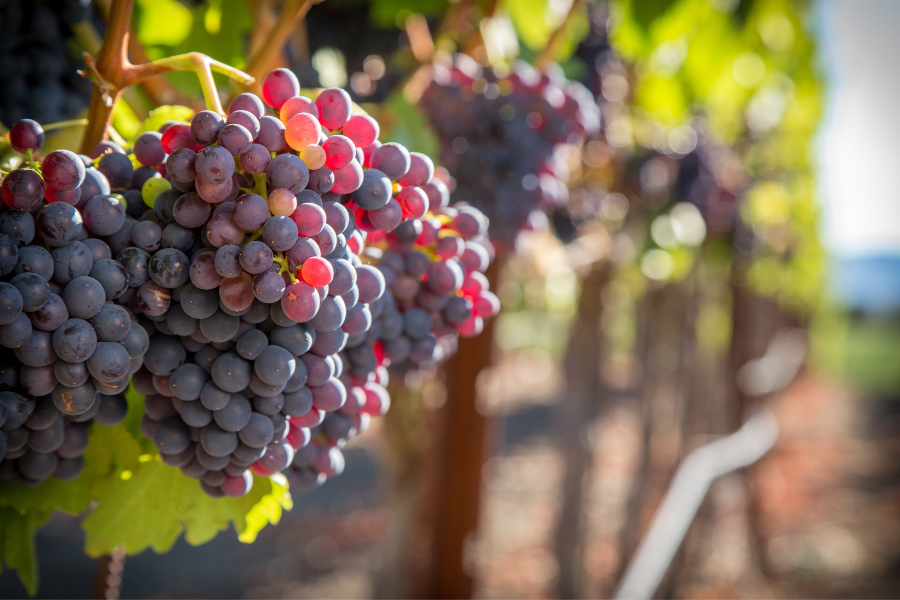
(499, 136)
(65, 350)
(217, 267)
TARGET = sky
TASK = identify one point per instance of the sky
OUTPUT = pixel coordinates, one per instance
(859, 145)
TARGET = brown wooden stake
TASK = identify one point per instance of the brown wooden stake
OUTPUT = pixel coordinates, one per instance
(549, 50)
(263, 59)
(585, 399)
(465, 447)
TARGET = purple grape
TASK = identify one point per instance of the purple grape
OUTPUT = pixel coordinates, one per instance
(148, 149)
(214, 165)
(63, 170)
(205, 127)
(235, 138)
(287, 171)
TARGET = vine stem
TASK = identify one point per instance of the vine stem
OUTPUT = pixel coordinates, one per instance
(64, 124)
(112, 72)
(261, 61)
(549, 50)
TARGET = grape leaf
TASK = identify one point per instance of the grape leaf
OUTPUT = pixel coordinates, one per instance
(535, 22)
(152, 507)
(268, 509)
(17, 530)
(388, 13)
(111, 449)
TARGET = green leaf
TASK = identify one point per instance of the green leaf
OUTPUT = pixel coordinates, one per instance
(156, 504)
(536, 20)
(268, 509)
(111, 450)
(391, 13)
(125, 121)
(162, 22)
(17, 531)
(219, 30)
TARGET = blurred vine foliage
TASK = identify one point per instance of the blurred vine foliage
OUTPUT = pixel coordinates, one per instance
(747, 71)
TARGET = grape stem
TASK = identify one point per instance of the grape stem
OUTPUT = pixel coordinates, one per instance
(262, 60)
(64, 124)
(259, 186)
(253, 237)
(282, 262)
(112, 72)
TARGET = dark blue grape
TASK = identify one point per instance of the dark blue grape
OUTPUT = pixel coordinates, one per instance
(19, 226)
(136, 263)
(375, 191)
(112, 323)
(84, 296)
(280, 233)
(258, 432)
(117, 168)
(164, 355)
(112, 275)
(67, 262)
(287, 171)
(95, 184)
(169, 268)
(70, 374)
(58, 224)
(34, 290)
(231, 373)
(251, 343)
(214, 165)
(217, 441)
(109, 362)
(235, 415)
(172, 436)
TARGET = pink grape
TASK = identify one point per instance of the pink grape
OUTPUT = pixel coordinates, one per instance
(302, 130)
(282, 202)
(279, 86)
(362, 129)
(334, 108)
(347, 179)
(413, 201)
(300, 302)
(176, 137)
(296, 105)
(339, 151)
(314, 156)
(317, 271)
(309, 218)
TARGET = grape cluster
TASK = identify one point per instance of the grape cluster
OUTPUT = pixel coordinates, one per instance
(499, 135)
(436, 287)
(38, 63)
(68, 347)
(216, 266)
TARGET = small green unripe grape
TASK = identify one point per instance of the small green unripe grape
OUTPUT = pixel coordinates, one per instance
(282, 202)
(152, 188)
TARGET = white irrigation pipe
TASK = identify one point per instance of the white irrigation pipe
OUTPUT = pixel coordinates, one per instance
(692, 481)
(760, 377)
